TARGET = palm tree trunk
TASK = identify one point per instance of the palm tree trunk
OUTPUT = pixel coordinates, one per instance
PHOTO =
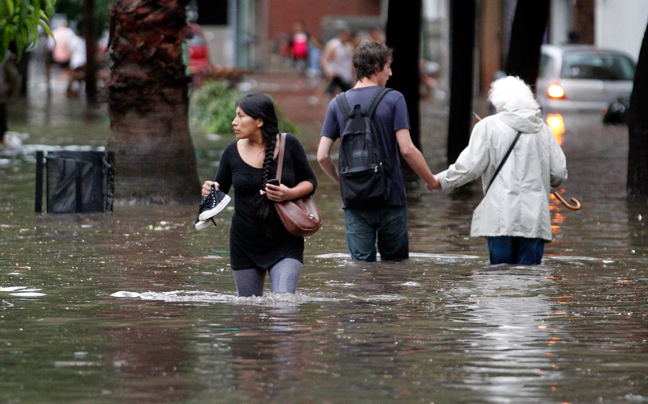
(148, 103)
(90, 30)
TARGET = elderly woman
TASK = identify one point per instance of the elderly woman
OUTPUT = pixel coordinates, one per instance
(514, 214)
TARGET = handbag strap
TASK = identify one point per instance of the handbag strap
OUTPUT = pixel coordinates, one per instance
(282, 148)
(503, 161)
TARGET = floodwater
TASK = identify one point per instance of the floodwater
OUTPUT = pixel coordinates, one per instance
(138, 307)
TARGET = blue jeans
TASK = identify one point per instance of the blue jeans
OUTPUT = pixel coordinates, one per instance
(515, 250)
(389, 224)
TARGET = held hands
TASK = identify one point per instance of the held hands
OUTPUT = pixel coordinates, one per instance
(433, 184)
(279, 193)
(206, 188)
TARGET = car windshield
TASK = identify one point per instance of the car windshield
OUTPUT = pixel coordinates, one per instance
(595, 65)
(545, 61)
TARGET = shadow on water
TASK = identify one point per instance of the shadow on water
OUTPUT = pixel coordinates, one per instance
(139, 307)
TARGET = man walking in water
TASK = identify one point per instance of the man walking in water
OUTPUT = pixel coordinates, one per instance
(385, 220)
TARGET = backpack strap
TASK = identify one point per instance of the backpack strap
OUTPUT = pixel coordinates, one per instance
(343, 104)
(376, 99)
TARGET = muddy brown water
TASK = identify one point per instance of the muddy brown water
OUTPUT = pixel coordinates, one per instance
(138, 307)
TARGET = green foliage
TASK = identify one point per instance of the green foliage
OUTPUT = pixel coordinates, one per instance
(19, 22)
(286, 125)
(213, 107)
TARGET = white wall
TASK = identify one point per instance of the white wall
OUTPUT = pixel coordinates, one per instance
(561, 16)
(621, 24)
(435, 10)
(220, 40)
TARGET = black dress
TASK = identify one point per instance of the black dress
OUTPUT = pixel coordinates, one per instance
(251, 245)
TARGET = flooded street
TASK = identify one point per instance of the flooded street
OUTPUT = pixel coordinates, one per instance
(139, 307)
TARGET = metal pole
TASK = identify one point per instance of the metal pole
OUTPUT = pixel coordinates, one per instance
(39, 182)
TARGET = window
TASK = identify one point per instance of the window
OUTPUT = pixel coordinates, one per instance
(597, 66)
(545, 63)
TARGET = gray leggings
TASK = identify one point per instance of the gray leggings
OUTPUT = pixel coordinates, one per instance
(283, 278)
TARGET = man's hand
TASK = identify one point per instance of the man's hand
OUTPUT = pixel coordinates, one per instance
(434, 185)
(324, 158)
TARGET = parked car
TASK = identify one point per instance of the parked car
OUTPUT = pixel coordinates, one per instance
(582, 78)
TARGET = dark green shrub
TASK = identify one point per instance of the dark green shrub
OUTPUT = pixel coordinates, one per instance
(213, 107)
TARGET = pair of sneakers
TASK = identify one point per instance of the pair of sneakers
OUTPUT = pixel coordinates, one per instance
(210, 206)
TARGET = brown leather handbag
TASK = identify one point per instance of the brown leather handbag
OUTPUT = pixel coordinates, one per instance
(301, 216)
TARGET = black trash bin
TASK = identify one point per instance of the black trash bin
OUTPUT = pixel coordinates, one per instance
(77, 181)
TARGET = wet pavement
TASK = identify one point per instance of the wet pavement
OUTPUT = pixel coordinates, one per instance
(138, 307)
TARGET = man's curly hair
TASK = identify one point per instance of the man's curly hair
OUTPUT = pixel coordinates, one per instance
(370, 58)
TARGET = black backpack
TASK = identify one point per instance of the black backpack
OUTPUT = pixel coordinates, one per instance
(364, 176)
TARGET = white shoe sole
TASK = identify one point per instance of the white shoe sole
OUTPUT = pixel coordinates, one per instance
(215, 210)
(202, 224)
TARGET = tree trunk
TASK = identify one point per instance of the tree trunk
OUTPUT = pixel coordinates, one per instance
(23, 68)
(148, 103)
(527, 33)
(462, 44)
(90, 31)
(403, 34)
(638, 127)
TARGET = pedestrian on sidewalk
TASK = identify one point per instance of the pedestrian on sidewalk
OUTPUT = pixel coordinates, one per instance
(514, 214)
(299, 47)
(336, 62)
(385, 218)
(59, 45)
(259, 242)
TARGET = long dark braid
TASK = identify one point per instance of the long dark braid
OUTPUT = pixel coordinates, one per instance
(270, 145)
(260, 106)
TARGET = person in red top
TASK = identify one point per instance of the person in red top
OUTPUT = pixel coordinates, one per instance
(198, 50)
(299, 47)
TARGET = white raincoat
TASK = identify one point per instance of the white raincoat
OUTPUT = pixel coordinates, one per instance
(517, 203)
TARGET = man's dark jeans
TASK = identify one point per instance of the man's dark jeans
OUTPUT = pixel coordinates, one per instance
(388, 223)
(515, 250)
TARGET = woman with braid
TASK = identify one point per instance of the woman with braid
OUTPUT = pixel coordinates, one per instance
(259, 243)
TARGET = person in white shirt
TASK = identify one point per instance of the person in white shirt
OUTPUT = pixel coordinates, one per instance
(337, 62)
(59, 44)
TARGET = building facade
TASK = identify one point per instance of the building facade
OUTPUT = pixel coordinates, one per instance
(246, 33)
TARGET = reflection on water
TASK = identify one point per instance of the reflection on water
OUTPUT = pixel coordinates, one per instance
(128, 313)
(557, 126)
(514, 346)
(138, 307)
